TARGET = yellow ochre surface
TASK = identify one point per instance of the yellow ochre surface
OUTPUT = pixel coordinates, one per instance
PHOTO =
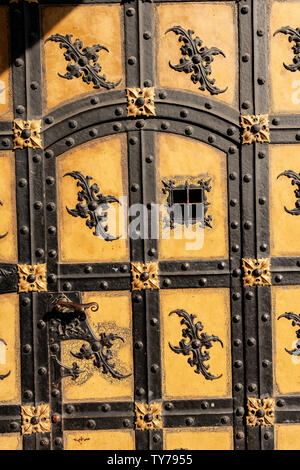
(210, 438)
(99, 440)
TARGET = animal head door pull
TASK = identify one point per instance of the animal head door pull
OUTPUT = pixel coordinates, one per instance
(92, 205)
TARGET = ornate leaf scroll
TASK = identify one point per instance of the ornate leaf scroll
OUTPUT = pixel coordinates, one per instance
(294, 36)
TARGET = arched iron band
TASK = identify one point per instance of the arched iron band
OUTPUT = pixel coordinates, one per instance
(155, 124)
(191, 109)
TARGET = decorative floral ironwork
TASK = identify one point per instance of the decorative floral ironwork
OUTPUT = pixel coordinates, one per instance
(32, 278)
(69, 321)
(255, 128)
(35, 419)
(257, 272)
(144, 276)
(190, 202)
(295, 322)
(4, 235)
(295, 181)
(27, 134)
(148, 416)
(61, 370)
(197, 345)
(261, 412)
(294, 36)
(140, 101)
(197, 59)
(94, 206)
(85, 63)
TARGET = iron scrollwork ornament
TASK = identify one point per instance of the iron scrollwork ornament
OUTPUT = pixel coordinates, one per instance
(3, 376)
(197, 345)
(92, 205)
(295, 181)
(197, 59)
(85, 61)
(68, 321)
(295, 322)
(294, 36)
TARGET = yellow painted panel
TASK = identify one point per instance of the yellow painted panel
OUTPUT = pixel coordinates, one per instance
(185, 157)
(285, 227)
(11, 441)
(8, 244)
(287, 436)
(92, 24)
(199, 439)
(285, 85)
(5, 75)
(113, 316)
(9, 353)
(205, 20)
(99, 440)
(179, 378)
(286, 367)
(106, 161)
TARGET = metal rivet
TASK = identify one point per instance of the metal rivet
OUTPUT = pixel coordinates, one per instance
(261, 81)
(169, 406)
(234, 224)
(58, 441)
(103, 285)
(51, 230)
(240, 435)
(42, 371)
(118, 111)
(237, 343)
(252, 388)
(36, 158)
(265, 317)
(221, 265)
(5, 142)
(140, 392)
(247, 225)
(154, 368)
(204, 405)
(208, 106)
(261, 155)
(249, 295)
(156, 438)
(52, 253)
(188, 130)
(132, 60)
(147, 35)
(247, 178)
(14, 426)
(54, 347)
(246, 105)
(72, 124)
(236, 296)
(246, 58)
(232, 150)
(266, 363)
(263, 247)
(238, 387)
(70, 142)
(147, 83)
(149, 159)
(166, 282)
(106, 407)
(185, 266)
(50, 180)
(49, 153)
(130, 12)
(275, 122)
(94, 100)
(126, 423)
(20, 109)
(28, 394)
(139, 345)
(41, 324)
(278, 278)
(163, 95)
(51, 278)
(55, 393)
(251, 341)
(189, 421)
(38, 205)
(50, 206)
(297, 136)
(152, 252)
(138, 298)
(26, 348)
(202, 282)
(24, 230)
(165, 125)
(39, 252)
(267, 435)
(133, 140)
(134, 187)
(140, 124)
(211, 139)
(236, 272)
(262, 200)
(238, 364)
(235, 248)
(236, 318)
(280, 403)
(183, 113)
(88, 269)
(93, 132)
(244, 10)
(260, 32)
(69, 409)
(233, 202)
(67, 286)
(91, 424)
(49, 120)
(233, 176)
(240, 411)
